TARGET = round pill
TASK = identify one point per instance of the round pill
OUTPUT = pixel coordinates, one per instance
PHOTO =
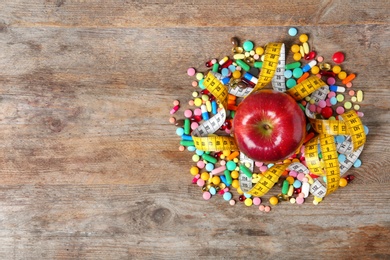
(248, 45)
(188, 113)
(256, 201)
(291, 83)
(357, 163)
(299, 200)
(340, 97)
(213, 191)
(232, 202)
(236, 74)
(200, 164)
(295, 48)
(303, 38)
(293, 173)
(315, 70)
(320, 59)
(340, 138)
(194, 170)
(288, 73)
(343, 182)
(342, 75)
(194, 125)
(225, 72)
(331, 94)
(200, 182)
(366, 130)
(273, 200)
(351, 92)
(338, 57)
(327, 112)
(206, 195)
(194, 83)
(209, 167)
(341, 157)
(198, 102)
(199, 75)
(356, 107)
(297, 184)
(297, 56)
(340, 110)
(179, 131)
(195, 158)
(336, 69)
(216, 180)
(292, 31)
(267, 209)
(353, 99)
(321, 103)
(261, 207)
(331, 80)
(297, 73)
(259, 50)
(172, 120)
(231, 165)
(191, 71)
(348, 85)
(227, 196)
(347, 105)
(248, 202)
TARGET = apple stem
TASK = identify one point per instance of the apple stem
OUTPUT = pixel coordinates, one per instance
(266, 127)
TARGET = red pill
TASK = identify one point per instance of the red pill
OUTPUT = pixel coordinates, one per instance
(327, 112)
(311, 55)
(338, 57)
(241, 198)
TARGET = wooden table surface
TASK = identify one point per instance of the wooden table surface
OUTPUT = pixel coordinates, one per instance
(90, 167)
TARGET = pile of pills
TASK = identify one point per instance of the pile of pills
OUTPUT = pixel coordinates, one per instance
(217, 173)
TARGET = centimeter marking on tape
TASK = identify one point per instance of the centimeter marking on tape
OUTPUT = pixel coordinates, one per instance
(279, 81)
(244, 180)
(202, 137)
(306, 87)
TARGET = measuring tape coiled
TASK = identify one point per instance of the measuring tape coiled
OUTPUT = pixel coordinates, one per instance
(321, 162)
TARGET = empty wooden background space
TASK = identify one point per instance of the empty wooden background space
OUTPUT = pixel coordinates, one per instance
(90, 167)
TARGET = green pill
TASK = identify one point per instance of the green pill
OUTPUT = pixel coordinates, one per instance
(290, 83)
(293, 65)
(215, 67)
(258, 64)
(209, 158)
(285, 187)
(187, 126)
(187, 143)
(246, 171)
(228, 176)
(243, 65)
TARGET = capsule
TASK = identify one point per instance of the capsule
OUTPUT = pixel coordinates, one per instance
(239, 56)
(293, 65)
(359, 96)
(218, 170)
(306, 48)
(187, 126)
(209, 158)
(250, 77)
(243, 65)
(223, 60)
(310, 65)
(205, 114)
(305, 189)
(174, 109)
(246, 171)
(214, 107)
(335, 88)
(349, 78)
(285, 187)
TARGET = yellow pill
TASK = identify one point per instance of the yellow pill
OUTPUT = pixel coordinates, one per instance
(259, 50)
(194, 170)
(342, 75)
(295, 48)
(248, 202)
(226, 152)
(315, 70)
(195, 158)
(336, 69)
(236, 74)
(318, 199)
(239, 190)
(301, 51)
(234, 174)
(356, 107)
(359, 96)
(239, 56)
(353, 99)
(235, 184)
(198, 102)
(297, 56)
(306, 47)
(216, 180)
(303, 37)
(290, 180)
(273, 200)
(343, 182)
(205, 176)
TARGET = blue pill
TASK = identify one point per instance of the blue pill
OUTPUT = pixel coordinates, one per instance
(366, 130)
(333, 88)
(288, 74)
(232, 68)
(225, 72)
(339, 138)
(201, 84)
(333, 100)
(297, 184)
(357, 163)
(199, 152)
(292, 31)
(247, 195)
(342, 157)
(191, 148)
(180, 131)
(212, 191)
(227, 196)
(209, 167)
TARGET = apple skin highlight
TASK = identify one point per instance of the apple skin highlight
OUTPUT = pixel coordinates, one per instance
(269, 126)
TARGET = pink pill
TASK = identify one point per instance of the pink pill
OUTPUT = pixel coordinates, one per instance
(320, 59)
(340, 110)
(191, 72)
(299, 200)
(331, 81)
(206, 195)
(200, 182)
(321, 103)
(319, 109)
(348, 85)
(256, 201)
(194, 125)
(293, 174)
(258, 164)
(351, 92)
(194, 83)
(267, 208)
(197, 112)
(263, 168)
(300, 176)
(200, 164)
(261, 207)
(328, 104)
(312, 108)
(331, 94)
(188, 113)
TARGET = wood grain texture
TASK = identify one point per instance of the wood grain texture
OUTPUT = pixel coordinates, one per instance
(89, 163)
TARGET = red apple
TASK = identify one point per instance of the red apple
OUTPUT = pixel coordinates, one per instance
(269, 126)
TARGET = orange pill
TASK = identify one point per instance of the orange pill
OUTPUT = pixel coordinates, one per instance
(349, 78)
